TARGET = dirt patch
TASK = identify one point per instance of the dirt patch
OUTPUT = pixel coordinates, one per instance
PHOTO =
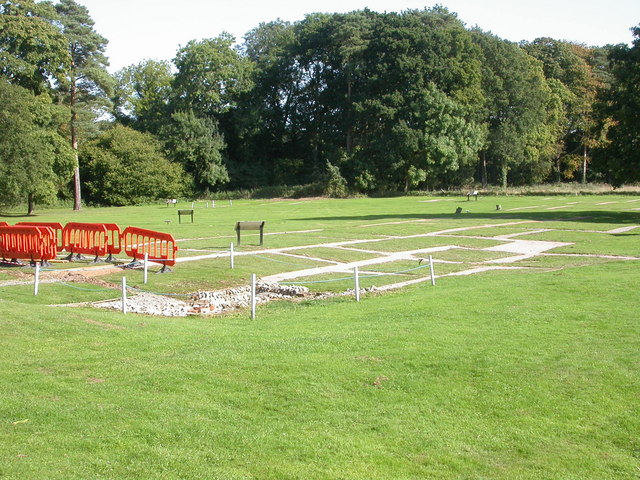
(379, 381)
(86, 276)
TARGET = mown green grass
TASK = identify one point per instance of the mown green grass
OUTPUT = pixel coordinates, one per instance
(529, 374)
(502, 376)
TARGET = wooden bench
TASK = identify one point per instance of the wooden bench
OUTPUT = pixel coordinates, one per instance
(474, 193)
(171, 201)
(184, 212)
(250, 226)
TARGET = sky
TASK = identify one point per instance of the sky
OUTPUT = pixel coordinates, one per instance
(156, 29)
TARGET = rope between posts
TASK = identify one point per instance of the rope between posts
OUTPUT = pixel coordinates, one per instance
(158, 293)
(104, 289)
(352, 277)
(383, 274)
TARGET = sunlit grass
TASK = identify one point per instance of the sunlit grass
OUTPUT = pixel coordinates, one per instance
(529, 373)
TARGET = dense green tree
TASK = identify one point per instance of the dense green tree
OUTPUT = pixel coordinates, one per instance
(420, 89)
(264, 149)
(522, 114)
(211, 74)
(142, 95)
(568, 63)
(197, 144)
(427, 137)
(622, 156)
(32, 49)
(86, 88)
(35, 160)
(124, 167)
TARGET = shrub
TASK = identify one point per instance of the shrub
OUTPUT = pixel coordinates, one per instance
(126, 167)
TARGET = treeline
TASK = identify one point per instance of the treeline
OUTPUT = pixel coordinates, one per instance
(343, 103)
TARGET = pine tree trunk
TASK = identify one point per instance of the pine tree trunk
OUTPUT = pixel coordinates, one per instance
(77, 196)
(31, 206)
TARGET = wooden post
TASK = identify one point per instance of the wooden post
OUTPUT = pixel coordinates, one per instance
(124, 294)
(253, 296)
(356, 280)
(146, 267)
(433, 277)
(36, 280)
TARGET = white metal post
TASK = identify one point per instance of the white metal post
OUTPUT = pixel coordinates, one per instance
(146, 267)
(433, 277)
(36, 280)
(253, 296)
(124, 294)
(356, 279)
(231, 260)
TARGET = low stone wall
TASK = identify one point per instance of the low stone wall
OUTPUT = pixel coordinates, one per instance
(206, 302)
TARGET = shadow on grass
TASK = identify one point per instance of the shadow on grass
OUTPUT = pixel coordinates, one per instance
(573, 216)
(15, 215)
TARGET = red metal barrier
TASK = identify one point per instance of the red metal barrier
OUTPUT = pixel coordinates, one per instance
(27, 242)
(113, 240)
(85, 238)
(4, 224)
(160, 247)
(55, 226)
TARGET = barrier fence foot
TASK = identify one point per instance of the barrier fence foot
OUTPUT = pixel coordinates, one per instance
(133, 264)
(11, 263)
(110, 259)
(97, 260)
(164, 269)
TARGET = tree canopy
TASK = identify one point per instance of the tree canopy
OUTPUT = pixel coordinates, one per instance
(374, 102)
(35, 159)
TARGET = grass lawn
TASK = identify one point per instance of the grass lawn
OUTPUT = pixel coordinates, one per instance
(524, 374)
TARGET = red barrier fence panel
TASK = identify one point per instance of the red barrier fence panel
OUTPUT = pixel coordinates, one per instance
(4, 224)
(27, 242)
(113, 238)
(160, 247)
(88, 238)
(55, 226)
